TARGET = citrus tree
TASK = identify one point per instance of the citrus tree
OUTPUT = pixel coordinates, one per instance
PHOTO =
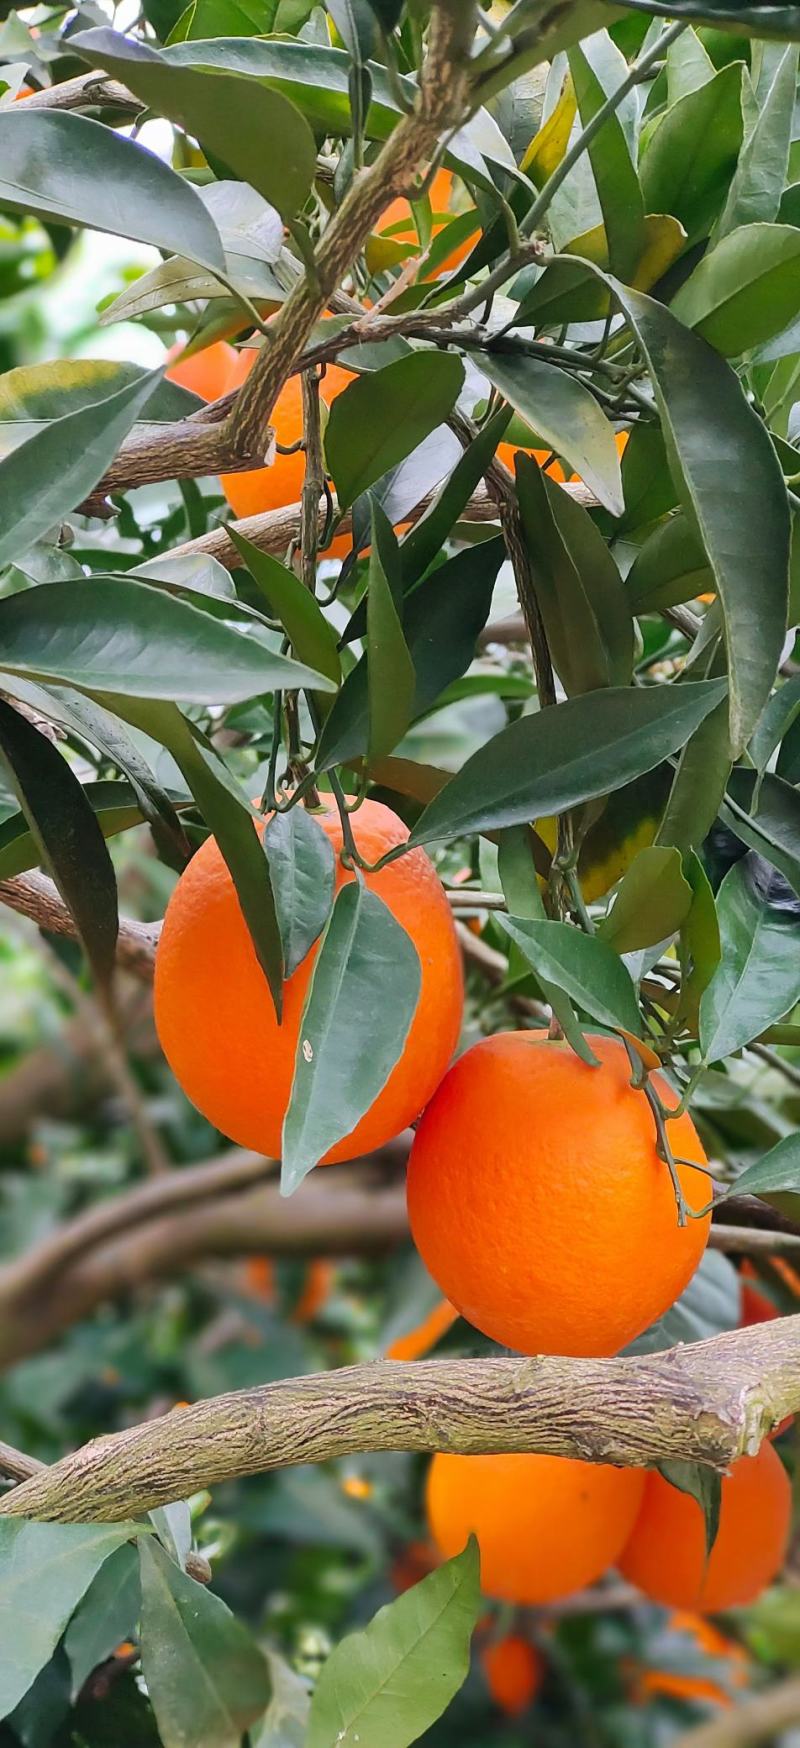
(417, 619)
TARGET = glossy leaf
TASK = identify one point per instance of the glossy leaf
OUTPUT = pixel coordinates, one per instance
(647, 483)
(567, 754)
(583, 966)
(390, 668)
(424, 542)
(78, 172)
(122, 638)
(710, 429)
(107, 1614)
(758, 979)
(520, 883)
(671, 566)
(565, 416)
(301, 869)
(312, 639)
(700, 948)
(745, 290)
(47, 476)
(703, 1485)
(772, 827)
(45, 1568)
(380, 418)
(761, 18)
(760, 175)
(689, 160)
(355, 22)
(777, 718)
(578, 588)
(383, 1687)
(597, 68)
(70, 841)
(652, 902)
(777, 1172)
(549, 145)
(699, 785)
(257, 132)
(114, 805)
(207, 1680)
(360, 1004)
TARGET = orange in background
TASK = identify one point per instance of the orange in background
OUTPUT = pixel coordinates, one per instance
(204, 373)
(514, 1672)
(397, 224)
(419, 1341)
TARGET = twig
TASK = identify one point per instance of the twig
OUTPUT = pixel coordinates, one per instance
(88, 91)
(708, 1402)
(752, 1241)
(16, 1465)
(789, 1070)
(761, 1719)
(35, 896)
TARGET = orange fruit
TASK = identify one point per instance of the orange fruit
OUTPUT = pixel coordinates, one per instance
(204, 373)
(420, 1340)
(397, 224)
(272, 488)
(214, 1011)
(539, 1204)
(259, 1274)
(665, 1556)
(545, 1525)
(412, 1563)
(514, 1671)
(316, 1289)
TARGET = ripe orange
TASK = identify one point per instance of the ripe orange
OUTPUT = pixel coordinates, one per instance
(514, 1672)
(665, 1556)
(420, 1340)
(272, 488)
(397, 224)
(204, 373)
(214, 1012)
(545, 1525)
(539, 1204)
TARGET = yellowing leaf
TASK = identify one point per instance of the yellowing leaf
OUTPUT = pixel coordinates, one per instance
(665, 241)
(547, 148)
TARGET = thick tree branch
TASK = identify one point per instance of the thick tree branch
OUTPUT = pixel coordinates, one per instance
(35, 896)
(706, 1403)
(88, 91)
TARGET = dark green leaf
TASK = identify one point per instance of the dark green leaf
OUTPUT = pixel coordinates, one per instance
(517, 871)
(313, 640)
(66, 830)
(776, 720)
(578, 587)
(567, 754)
(78, 172)
(582, 965)
(703, 1485)
(758, 978)
(255, 131)
(671, 566)
(647, 483)
(774, 1174)
(385, 1686)
(206, 1678)
(710, 428)
(301, 867)
(691, 155)
(380, 418)
(652, 902)
(442, 619)
(595, 75)
(387, 12)
(760, 174)
(45, 1568)
(116, 808)
(361, 1001)
(773, 827)
(390, 669)
(355, 22)
(760, 18)
(700, 949)
(127, 639)
(699, 784)
(710, 1304)
(45, 477)
(565, 416)
(108, 1613)
(745, 290)
(424, 542)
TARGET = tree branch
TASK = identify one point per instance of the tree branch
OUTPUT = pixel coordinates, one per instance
(89, 91)
(34, 896)
(708, 1403)
(760, 1719)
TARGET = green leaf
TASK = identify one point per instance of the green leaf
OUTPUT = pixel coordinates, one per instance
(691, 155)
(588, 970)
(442, 618)
(355, 22)
(107, 1614)
(774, 1174)
(758, 978)
(130, 640)
(700, 947)
(760, 175)
(207, 1680)
(703, 1485)
(745, 290)
(312, 639)
(114, 804)
(424, 542)
(78, 172)
(255, 131)
(777, 718)
(688, 66)
(761, 18)
(285, 1724)
(597, 68)
(699, 783)
(710, 1304)
(385, 1686)
(579, 590)
(566, 754)
(360, 1004)
(301, 868)
(773, 827)
(653, 901)
(647, 483)
(390, 669)
(380, 418)
(70, 841)
(45, 477)
(711, 428)
(517, 871)
(33, 394)
(45, 1568)
(565, 416)
(671, 566)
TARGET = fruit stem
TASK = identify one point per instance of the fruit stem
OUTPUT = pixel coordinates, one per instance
(660, 1117)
